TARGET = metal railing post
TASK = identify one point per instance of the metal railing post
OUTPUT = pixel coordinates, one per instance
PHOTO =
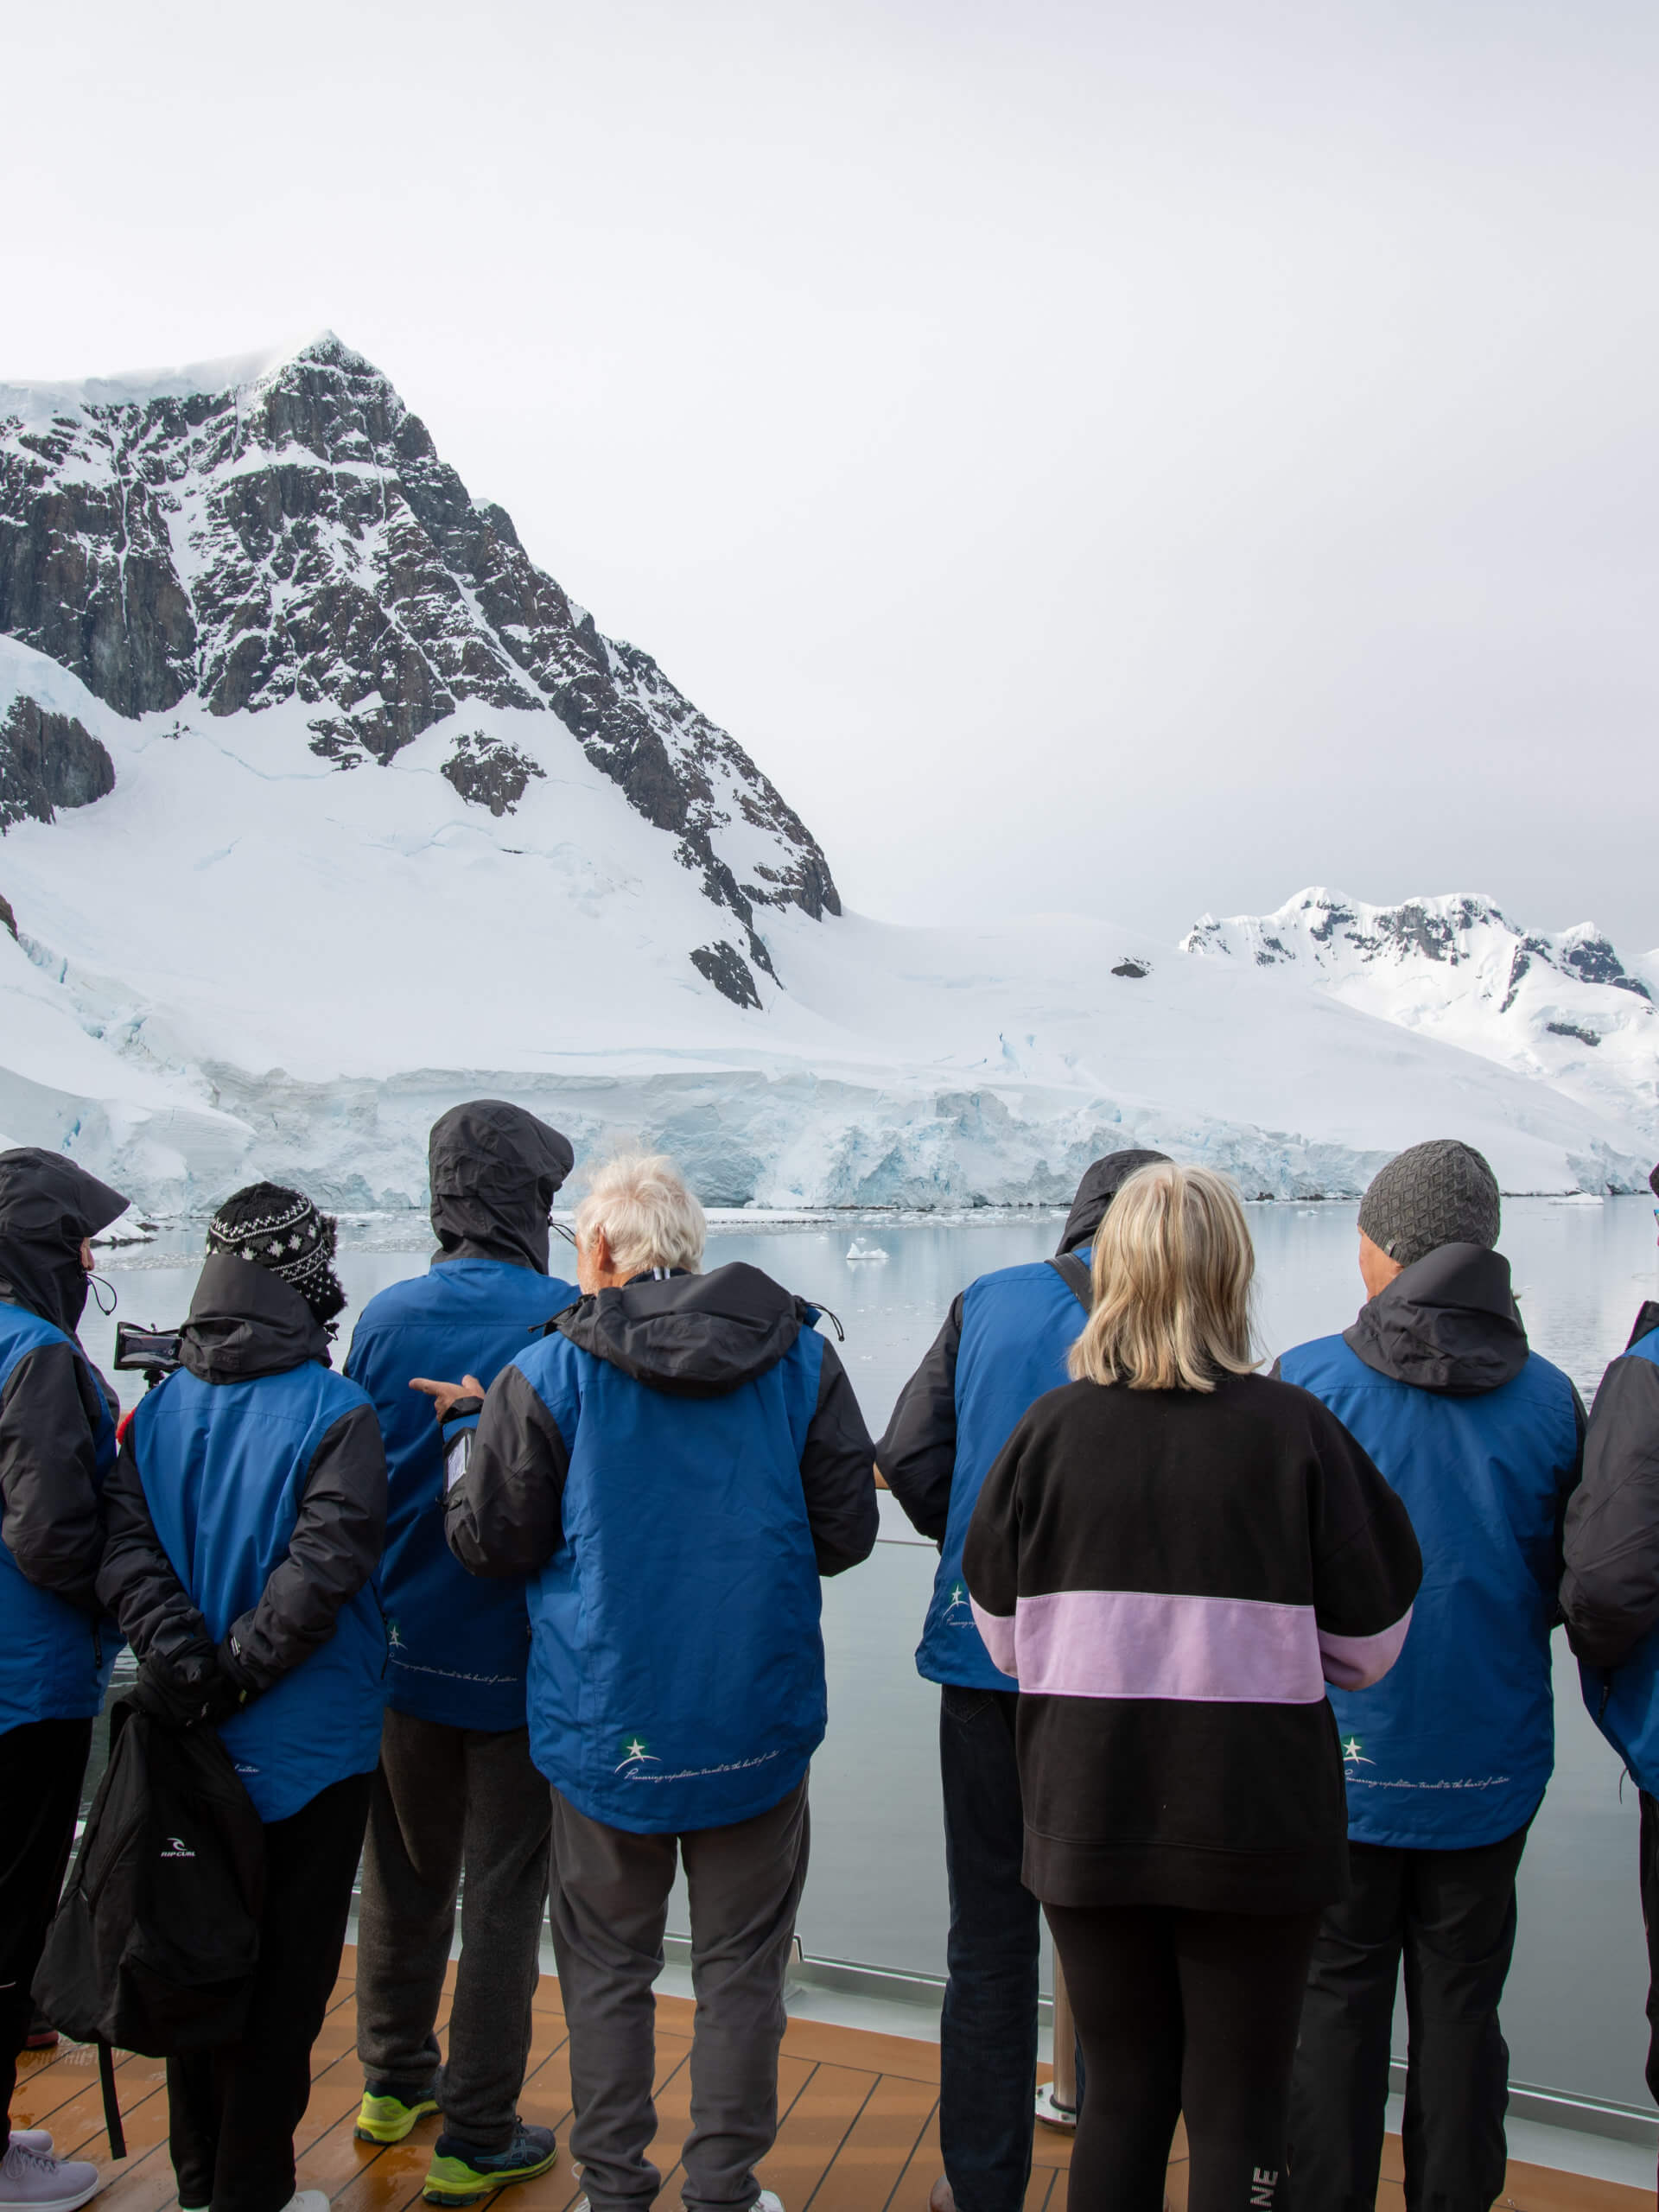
(1057, 2101)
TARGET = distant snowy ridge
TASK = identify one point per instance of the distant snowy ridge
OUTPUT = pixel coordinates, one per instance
(1565, 1007)
(322, 808)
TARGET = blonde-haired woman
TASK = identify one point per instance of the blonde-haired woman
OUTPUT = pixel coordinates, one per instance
(1174, 1554)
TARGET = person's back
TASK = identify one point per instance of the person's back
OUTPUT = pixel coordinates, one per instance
(1174, 1554)
(456, 1793)
(460, 1646)
(242, 1524)
(1609, 1595)
(1005, 1341)
(675, 1464)
(57, 1446)
(1446, 1761)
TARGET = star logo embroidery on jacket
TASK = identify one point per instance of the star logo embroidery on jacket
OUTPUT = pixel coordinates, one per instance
(636, 1752)
(1354, 1755)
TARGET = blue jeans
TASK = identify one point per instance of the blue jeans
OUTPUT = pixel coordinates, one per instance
(988, 2058)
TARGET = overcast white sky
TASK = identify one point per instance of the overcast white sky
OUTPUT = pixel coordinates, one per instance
(1134, 458)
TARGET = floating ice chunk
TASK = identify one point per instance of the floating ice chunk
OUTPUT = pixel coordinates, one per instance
(857, 1250)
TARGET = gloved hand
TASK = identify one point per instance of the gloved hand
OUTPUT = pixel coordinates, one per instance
(186, 1697)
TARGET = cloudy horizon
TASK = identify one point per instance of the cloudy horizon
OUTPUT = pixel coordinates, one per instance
(1093, 459)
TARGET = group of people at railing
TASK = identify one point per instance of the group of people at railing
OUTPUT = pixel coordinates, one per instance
(1245, 1678)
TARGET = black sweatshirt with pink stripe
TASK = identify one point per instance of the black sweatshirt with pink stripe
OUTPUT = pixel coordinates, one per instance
(1173, 1576)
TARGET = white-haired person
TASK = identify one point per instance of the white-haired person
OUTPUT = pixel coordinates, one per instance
(674, 1465)
(1174, 1554)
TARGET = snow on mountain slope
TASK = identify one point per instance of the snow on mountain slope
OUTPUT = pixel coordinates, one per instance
(321, 808)
(1564, 1007)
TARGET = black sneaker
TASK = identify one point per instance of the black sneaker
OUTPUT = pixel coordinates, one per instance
(460, 2171)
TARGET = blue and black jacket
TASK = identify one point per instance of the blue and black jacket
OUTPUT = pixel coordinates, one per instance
(242, 1524)
(1483, 1441)
(1004, 1344)
(675, 1464)
(460, 1646)
(1610, 1592)
(57, 1445)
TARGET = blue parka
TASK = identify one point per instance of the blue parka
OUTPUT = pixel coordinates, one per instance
(57, 1445)
(1003, 1345)
(1482, 1439)
(460, 1646)
(677, 1463)
(243, 1524)
(1610, 1592)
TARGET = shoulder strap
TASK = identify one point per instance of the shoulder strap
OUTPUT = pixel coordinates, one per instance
(112, 2104)
(1076, 1279)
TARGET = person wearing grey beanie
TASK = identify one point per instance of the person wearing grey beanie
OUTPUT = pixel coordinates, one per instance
(1447, 1760)
(1442, 1193)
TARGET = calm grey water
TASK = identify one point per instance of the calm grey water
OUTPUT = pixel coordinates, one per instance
(876, 1893)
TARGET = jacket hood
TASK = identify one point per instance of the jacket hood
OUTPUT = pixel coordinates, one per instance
(1100, 1185)
(1448, 1323)
(244, 1322)
(692, 1335)
(48, 1205)
(494, 1171)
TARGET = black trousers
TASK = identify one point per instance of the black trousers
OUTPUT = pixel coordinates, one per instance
(42, 1765)
(1182, 2013)
(1450, 1915)
(1648, 1862)
(234, 2112)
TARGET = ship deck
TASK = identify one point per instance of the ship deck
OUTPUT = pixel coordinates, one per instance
(858, 2128)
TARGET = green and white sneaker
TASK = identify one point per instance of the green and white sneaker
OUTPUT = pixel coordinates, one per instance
(385, 2118)
(460, 2171)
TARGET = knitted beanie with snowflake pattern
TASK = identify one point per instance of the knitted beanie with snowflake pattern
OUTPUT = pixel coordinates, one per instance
(282, 1230)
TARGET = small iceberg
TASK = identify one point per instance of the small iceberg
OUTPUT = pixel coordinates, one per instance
(857, 1250)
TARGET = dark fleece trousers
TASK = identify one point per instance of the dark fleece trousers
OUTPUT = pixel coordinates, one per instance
(610, 1907)
(1182, 2013)
(234, 2111)
(42, 1767)
(445, 1798)
(1451, 1915)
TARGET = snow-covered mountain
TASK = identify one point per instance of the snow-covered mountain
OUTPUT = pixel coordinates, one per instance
(321, 806)
(1564, 1007)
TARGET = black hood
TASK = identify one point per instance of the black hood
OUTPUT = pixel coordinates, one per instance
(495, 1172)
(1448, 1323)
(692, 1335)
(48, 1205)
(245, 1321)
(1100, 1185)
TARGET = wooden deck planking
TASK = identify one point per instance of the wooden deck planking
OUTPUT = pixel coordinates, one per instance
(858, 2126)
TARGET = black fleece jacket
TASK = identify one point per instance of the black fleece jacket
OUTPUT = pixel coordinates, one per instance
(1610, 1592)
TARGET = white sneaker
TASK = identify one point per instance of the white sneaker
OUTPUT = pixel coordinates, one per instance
(34, 2181)
(38, 2140)
(303, 2200)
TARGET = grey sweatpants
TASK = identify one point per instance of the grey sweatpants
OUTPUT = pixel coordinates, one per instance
(444, 1798)
(609, 1907)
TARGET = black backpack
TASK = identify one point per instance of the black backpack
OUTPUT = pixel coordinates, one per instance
(157, 1937)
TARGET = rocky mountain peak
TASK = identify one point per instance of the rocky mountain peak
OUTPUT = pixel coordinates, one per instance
(261, 531)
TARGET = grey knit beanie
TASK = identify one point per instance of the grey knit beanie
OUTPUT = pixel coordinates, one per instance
(1438, 1193)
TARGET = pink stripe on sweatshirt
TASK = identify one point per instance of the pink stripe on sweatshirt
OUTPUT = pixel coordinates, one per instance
(1141, 1643)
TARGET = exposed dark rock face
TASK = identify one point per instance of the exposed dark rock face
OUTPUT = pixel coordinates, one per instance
(8, 919)
(48, 761)
(489, 771)
(299, 538)
(1573, 1029)
(1135, 970)
(724, 966)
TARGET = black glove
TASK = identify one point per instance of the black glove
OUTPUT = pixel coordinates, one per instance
(186, 1697)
